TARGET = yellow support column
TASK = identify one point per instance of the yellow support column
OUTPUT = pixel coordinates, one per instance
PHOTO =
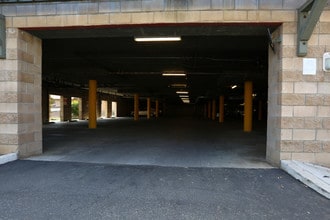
(214, 109)
(136, 107)
(248, 88)
(221, 109)
(148, 108)
(92, 103)
(260, 110)
(157, 109)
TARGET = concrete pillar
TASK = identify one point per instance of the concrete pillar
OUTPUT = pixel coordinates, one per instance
(209, 110)
(157, 109)
(248, 88)
(66, 108)
(136, 107)
(92, 103)
(214, 109)
(260, 110)
(148, 108)
(221, 109)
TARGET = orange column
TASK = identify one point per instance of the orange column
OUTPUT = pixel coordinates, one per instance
(221, 109)
(214, 113)
(248, 88)
(136, 107)
(92, 103)
(148, 108)
(157, 109)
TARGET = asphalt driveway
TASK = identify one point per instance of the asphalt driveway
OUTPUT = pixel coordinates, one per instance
(66, 190)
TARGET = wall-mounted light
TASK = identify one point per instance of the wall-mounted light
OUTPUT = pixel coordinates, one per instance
(326, 62)
(156, 39)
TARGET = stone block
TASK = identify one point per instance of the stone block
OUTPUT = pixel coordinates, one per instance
(289, 28)
(76, 20)
(98, 19)
(323, 159)
(253, 16)
(289, 51)
(211, 16)
(25, 138)
(323, 135)
(312, 146)
(304, 111)
(326, 123)
(292, 146)
(285, 156)
(131, 5)
(109, 6)
(46, 9)
(323, 87)
(324, 28)
(286, 134)
(9, 128)
(292, 99)
(8, 118)
(305, 87)
(304, 157)
(120, 18)
(165, 17)
(264, 15)
(303, 134)
(325, 16)
(324, 39)
(176, 5)
(270, 4)
(289, 39)
(8, 97)
(55, 21)
(36, 21)
(188, 16)
(287, 87)
(235, 15)
(287, 111)
(19, 22)
(285, 15)
(326, 146)
(292, 122)
(142, 18)
(246, 4)
(312, 123)
(323, 111)
(199, 4)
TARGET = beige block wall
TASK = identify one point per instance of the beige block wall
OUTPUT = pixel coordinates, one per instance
(20, 95)
(298, 117)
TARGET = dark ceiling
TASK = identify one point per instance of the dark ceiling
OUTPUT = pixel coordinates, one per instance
(213, 56)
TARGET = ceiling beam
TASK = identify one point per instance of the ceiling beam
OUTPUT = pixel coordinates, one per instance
(308, 15)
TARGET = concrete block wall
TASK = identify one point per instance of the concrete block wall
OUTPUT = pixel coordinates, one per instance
(20, 95)
(304, 100)
(298, 117)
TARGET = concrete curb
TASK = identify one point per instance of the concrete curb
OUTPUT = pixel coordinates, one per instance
(8, 158)
(316, 177)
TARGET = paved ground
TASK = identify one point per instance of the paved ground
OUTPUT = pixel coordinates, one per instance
(181, 142)
(66, 190)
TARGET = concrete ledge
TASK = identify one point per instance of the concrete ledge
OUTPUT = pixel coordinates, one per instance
(8, 158)
(316, 177)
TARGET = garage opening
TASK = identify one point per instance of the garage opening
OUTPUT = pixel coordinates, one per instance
(194, 87)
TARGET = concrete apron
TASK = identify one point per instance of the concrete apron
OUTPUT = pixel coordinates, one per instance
(164, 142)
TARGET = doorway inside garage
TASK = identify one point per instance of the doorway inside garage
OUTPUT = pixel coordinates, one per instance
(186, 78)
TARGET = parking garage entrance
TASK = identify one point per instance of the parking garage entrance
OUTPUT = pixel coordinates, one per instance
(181, 102)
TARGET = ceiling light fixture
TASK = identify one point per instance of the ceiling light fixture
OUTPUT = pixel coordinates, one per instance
(179, 85)
(174, 73)
(182, 92)
(233, 86)
(156, 39)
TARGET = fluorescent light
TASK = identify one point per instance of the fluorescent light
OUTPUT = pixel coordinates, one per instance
(156, 39)
(233, 86)
(184, 96)
(182, 92)
(175, 73)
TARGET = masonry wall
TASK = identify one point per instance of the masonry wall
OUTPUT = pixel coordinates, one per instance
(299, 109)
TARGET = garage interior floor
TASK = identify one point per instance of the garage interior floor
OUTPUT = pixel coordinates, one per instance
(171, 142)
